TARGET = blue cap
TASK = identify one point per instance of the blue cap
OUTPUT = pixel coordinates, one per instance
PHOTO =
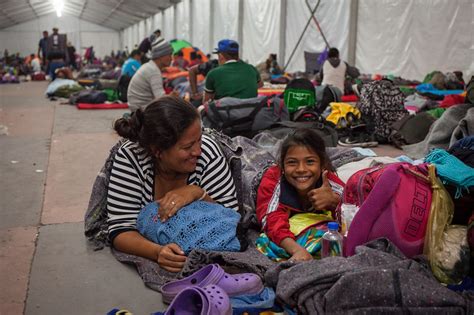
(334, 226)
(226, 46)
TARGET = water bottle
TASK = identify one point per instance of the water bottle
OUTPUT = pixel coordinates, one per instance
(332, 241)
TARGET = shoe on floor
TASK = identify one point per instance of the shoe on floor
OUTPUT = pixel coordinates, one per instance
(209, 300)
(233, 285)
(364, 141)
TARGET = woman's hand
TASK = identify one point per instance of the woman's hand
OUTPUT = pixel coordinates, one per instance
(175, 199)
(301, 255)
(324, 198)
(171, 258)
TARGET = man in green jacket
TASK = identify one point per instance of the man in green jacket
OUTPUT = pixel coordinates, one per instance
(233, 77)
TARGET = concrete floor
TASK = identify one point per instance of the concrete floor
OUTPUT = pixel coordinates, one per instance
(48, 163)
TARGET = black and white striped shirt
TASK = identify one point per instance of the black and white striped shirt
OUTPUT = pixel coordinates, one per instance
(132, 181)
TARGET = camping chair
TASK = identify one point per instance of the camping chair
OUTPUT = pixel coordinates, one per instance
(311, 62)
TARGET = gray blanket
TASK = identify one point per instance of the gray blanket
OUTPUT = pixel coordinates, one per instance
(441, 131)
(232, 262)
(378, 279)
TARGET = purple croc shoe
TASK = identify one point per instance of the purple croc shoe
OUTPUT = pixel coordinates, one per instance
(233, 285)
(209, 300)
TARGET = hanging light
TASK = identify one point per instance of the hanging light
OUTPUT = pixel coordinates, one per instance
(58, 7)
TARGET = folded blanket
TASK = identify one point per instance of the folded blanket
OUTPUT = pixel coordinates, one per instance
(440, 132)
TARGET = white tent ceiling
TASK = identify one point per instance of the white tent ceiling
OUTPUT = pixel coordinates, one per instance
(114, 14)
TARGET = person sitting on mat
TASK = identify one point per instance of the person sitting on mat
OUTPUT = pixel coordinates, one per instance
(167, 159)
(147, 83)
(302, 183)
(233, 77)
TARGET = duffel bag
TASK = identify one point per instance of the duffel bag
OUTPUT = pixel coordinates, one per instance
(243, 117)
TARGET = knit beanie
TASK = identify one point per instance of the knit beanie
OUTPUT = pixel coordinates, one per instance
(160, 47)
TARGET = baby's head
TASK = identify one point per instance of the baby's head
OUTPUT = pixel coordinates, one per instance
(303, 158)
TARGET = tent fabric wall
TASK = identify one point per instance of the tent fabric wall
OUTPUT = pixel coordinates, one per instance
(200, 28)
(226, 19)
(158, 21)
(333, 18)
(24, 37)
(182, 23)
(413, 38)
(408, 38)
(149, 28)
(261, 29)
(141, 30)
(168, 31)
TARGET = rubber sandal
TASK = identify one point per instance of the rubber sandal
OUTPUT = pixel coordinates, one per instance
(213, 274)
(209, 300)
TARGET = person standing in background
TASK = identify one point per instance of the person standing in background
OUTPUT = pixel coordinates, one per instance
(43, 49)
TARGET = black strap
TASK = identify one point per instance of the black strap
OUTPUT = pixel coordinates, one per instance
(227, 123)
(302, 124)
(215, 122)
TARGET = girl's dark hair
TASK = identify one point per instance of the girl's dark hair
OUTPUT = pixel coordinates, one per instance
(310, 139)
(161, 123)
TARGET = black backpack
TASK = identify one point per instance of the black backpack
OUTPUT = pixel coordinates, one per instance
(88, 97)
(299, 93)
(330, 94)
(122, 87)
(470, 91)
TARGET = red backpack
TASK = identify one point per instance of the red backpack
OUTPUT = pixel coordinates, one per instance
(394, 201)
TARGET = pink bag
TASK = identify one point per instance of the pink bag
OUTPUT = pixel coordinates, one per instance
(394, 201)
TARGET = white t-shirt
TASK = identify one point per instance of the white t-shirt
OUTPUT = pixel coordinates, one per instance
(334, 76)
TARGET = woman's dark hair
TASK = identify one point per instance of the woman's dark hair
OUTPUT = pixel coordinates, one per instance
(333, 53)
(161, 123)
(310, 139)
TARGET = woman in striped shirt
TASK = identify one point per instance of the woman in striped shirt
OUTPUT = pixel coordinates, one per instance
(166, 158)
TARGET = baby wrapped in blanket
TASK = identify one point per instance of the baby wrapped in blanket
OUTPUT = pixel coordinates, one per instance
(199, 225)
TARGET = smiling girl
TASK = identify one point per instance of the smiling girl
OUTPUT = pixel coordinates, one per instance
(301, 183)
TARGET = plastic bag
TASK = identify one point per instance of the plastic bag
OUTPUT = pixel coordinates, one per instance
(440, 238)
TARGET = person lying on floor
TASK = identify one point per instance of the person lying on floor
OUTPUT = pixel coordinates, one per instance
(296, 196)
(166, 159)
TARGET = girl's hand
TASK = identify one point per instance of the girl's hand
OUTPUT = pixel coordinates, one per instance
(175, 199)
(323, 198)
(297, 252)
(301, 255)
(171, 258)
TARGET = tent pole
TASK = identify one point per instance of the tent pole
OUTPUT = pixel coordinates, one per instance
(191, 21)
(318, 26)
(353, 32)
(240, 26)
(212, 24)
(175, 21)
(301, 36)
(281, 51)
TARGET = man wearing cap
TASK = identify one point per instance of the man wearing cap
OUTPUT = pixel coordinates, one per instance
(233, 77)
(43, 48)
(147, 83)
(57, 52)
